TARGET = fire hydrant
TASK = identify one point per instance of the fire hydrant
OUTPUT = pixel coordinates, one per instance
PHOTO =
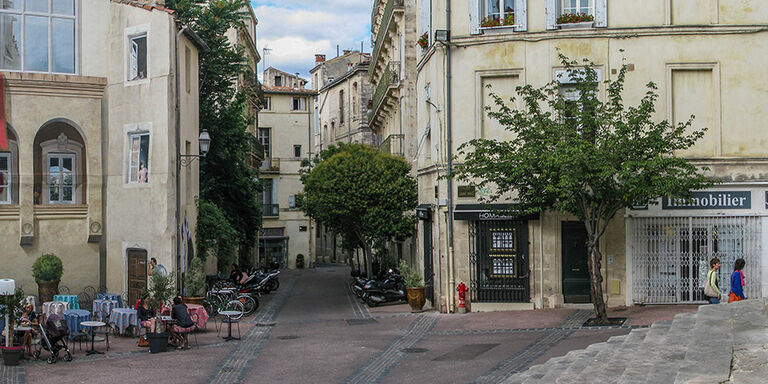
(462, 295)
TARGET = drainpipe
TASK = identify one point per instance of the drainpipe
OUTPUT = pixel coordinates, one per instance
(448, 133)
(310, 255)
(178, 162)
(541, 259)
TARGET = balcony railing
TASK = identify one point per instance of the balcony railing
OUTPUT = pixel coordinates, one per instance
(381, 34)
(257, 150)
(393, 145)
(270, 164)
(270, 210)
(390, 78)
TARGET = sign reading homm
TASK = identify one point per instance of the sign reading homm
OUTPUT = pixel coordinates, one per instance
(710, 200)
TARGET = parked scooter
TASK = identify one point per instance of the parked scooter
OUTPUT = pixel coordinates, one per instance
(391, 289)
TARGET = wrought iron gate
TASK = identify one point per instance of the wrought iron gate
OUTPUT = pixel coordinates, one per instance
(498, 259)
(670, 256)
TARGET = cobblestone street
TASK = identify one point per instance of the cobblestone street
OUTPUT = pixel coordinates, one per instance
(313, 330)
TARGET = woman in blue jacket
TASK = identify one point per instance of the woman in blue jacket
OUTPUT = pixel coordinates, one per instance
(737, 282)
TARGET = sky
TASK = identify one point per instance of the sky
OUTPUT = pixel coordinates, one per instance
(296, 30)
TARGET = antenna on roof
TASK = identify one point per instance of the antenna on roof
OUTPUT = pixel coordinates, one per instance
(266, 51)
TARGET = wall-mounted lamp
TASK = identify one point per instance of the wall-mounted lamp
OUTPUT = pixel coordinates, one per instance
(205, 144)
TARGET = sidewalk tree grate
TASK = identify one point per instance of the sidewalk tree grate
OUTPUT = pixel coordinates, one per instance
(414, 350)
(288, 337)
(466, 352)
(361, 321)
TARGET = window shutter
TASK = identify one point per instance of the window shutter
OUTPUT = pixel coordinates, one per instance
(521, 15)
(474, 17)
(552, 7)
(292, 201)
(425, 13)
(601, 13)
(133, 62)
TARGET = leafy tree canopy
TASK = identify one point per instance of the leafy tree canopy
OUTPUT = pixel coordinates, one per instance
(588, 157)
(362, 194)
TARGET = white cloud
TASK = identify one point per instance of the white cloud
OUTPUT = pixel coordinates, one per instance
(296, 30)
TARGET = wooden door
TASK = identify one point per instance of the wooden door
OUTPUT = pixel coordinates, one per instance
(137, 274)
(575, 265)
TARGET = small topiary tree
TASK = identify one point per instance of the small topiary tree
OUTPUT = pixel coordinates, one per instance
(47, 267)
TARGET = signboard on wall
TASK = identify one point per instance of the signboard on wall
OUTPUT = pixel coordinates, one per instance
(710, 200)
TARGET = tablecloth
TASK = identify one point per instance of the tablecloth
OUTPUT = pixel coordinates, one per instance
(74, 303)
(102, 308)
(111, 296)
(74, 317)
(124, 318)
(57, 307)
(202, 315)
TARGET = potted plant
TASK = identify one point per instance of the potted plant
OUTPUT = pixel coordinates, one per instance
(575, 20)
(194, 282)
(11, 305)
(47, 271)
(160, 292)
(423, 41)
(300, 261)
(417, 295)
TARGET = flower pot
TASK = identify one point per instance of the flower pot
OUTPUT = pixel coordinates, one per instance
(157, 342)
(581, 25)
(417, 296)
(192, 300)
(12, 355)
(47, 289)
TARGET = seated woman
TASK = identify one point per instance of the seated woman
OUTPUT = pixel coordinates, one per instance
(184, 323)
(146, 315)
(28, 319)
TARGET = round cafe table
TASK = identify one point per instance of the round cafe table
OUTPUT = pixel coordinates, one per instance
(102, 308)
(92, 325)
(111, 296)
(74, 319)
(74, 303)
(124, 318)
(230, 315)
(202, 315)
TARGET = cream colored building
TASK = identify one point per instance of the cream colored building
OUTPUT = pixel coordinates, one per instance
(90, 106)
(707, 58)
(285, 131)
(341, 112)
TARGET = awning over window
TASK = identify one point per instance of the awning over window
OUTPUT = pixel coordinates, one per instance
(490, 212)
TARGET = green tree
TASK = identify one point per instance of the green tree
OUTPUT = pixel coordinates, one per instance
(362, 194)
(226, 180)
(587, 157)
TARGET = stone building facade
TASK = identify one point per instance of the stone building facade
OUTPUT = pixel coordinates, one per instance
(285, 132)
(93, 127)
(695, 51)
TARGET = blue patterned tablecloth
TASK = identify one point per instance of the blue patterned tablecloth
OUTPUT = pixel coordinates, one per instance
(102, 308)
(124, 318)
(111, 296)
(74, 317)
(74, 303)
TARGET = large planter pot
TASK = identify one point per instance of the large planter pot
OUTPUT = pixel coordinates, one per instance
(12, 355)
(417, 296)
(47, 289)
(157, 342)
(192, 300)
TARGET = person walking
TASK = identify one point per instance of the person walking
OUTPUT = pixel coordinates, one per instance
(712, 288)
(737, 282)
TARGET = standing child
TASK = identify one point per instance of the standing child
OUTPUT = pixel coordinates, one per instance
(712, 289)
(737, 282)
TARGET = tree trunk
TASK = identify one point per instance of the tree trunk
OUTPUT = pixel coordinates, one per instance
(367, 264)
(595, 282)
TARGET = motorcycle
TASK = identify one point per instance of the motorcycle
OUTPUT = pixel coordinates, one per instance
(391, 289)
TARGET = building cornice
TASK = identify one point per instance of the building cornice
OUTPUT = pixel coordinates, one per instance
(47, 84)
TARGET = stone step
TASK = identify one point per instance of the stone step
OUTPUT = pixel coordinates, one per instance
(600, 362)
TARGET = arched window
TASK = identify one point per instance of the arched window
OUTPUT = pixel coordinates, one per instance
(341, 107)
(59, 164)
(9, 170)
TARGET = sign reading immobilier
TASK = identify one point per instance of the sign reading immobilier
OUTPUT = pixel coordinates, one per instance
(711, 200)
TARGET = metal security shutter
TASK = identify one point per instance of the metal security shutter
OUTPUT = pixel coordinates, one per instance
(670, 256)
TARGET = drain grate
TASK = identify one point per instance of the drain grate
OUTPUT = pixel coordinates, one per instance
(414, 350)
(360, 321)
(466, 352)
(288, 337)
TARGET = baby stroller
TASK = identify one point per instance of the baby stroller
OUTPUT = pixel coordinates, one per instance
(52, 335)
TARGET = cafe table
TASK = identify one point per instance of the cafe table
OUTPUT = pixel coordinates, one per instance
(91, 325)
(74, 303)
(74, 318)
(112, 296)
(124, 318)
(102, 308)
(202, 315)
(230, 315)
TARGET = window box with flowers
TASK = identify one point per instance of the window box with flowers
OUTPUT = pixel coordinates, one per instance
(495, 24)
(575, 21)
(423, 41)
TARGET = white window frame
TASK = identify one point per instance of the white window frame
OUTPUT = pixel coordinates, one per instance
(8, 182)
(590, 9)
(478, 13)
(302, 103)
(56, 148)
(129, 34)
(268, 137)
(22, 13)
(554, 8)
(137, 136)
(60, 156)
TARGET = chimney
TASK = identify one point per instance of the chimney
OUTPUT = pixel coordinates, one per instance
(319, 59)
(346, 52)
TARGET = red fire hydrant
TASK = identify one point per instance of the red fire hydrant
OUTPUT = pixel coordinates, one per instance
(462, 295)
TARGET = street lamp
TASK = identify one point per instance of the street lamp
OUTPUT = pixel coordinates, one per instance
(205, 145)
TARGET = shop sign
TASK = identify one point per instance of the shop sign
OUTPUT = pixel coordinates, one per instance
(710, 200)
